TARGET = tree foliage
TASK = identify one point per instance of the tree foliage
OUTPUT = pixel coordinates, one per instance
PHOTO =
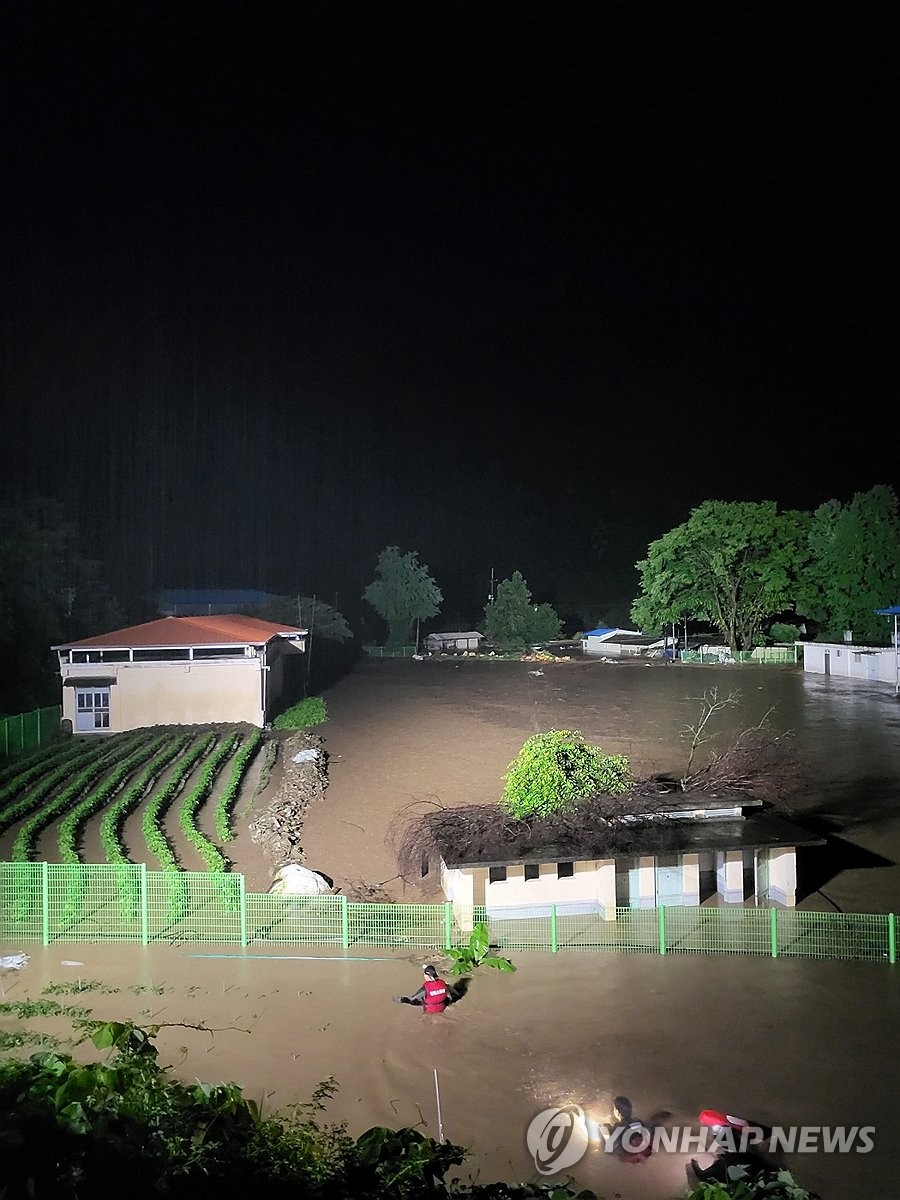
(512, 621)
(855, 565)
(72, 1130)
(308, 612)
(554, 770)
(735, 564)
(50, 592)
(403, 592)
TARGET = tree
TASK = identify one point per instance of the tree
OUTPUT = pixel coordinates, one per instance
(512, 621)
(554, 770)
(735, 564)
(321, 619)
(49, 593)
(403, 592)
(855, 564)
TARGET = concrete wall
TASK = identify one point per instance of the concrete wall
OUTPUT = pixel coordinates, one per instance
(594, 883)
(181, 693)
(855, 662)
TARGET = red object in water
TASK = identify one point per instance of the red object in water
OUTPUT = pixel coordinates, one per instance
(720, 1120)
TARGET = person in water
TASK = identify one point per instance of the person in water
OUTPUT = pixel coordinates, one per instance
(433, 995)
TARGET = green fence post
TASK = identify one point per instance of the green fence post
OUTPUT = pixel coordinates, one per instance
(45, 903)
(448, 925)
(773, 930)
(662, 928)
(5, 725)
(242, 897)
(345, 923)
(892, 938)
(145, 907)
(40, 743)
(554, 942)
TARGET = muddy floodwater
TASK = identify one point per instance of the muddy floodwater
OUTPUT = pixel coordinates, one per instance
(784, 1042)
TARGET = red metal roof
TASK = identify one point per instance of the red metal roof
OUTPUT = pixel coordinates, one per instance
(224, 630)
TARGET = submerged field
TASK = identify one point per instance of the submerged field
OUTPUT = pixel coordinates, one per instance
(784, 1041)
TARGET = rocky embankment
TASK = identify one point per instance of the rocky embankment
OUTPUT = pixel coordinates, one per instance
(279, 827)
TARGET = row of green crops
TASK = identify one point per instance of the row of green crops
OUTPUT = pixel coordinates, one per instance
(157, 842)
(60, 802)
(72, 824)
(23, 770)
(114, 817)
(187, 817)
(39, 778)
(242, 761)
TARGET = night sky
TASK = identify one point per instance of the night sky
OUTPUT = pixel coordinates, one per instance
(283, 284)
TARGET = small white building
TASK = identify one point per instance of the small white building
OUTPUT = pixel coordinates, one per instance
(619, 643)
(875, 663)
(438, 643)
(684, 856)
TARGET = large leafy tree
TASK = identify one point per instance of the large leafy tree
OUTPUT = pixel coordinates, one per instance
(735, 564)
(49, 593)
(855, 564)
(403, 592)
(512, 621)
(321, 619)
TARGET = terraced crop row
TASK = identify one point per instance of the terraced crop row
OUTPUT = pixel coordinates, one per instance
(29, 830)
(242, 761)
(47, 784)
(187, 816)
(157, 842)
(45, 757)
(36, 773)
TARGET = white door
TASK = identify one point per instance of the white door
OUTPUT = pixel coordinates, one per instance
(91, 709)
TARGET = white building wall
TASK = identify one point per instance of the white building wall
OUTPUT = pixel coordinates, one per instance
(459, 888)
(184, 693)
(783, 875)
(874, 663)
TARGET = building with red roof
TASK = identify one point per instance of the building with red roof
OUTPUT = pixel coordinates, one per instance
(179, 671)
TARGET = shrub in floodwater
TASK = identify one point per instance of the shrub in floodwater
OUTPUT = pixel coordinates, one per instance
(555, 770)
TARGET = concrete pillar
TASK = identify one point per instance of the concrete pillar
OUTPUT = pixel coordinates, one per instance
(690, 875)
(606, 889)
(783, 875)
(646, 875)
(459, 888)
(730, 876)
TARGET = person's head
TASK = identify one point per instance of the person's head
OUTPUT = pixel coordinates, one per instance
(429, 971)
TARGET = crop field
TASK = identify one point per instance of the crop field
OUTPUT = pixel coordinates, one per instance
(69, 803)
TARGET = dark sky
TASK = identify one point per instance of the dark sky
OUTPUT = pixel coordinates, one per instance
(285, 283)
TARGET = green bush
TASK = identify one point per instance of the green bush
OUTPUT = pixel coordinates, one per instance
(303, 714)
(555, 770)
(78, 1128)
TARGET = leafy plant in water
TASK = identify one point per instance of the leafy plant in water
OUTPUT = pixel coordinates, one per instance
(477, 953)
(554, 770)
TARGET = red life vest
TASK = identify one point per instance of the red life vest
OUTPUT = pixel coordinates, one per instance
(435, 995)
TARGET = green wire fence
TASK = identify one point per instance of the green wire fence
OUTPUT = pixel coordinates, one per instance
(28, 731)
(48, 902)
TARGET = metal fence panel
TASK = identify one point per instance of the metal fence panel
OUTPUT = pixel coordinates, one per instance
(21, 902)
(861, 936)
(28, 731)
(402, 926)
(295, 920)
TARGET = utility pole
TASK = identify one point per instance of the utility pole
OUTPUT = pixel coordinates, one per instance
(309, 639)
